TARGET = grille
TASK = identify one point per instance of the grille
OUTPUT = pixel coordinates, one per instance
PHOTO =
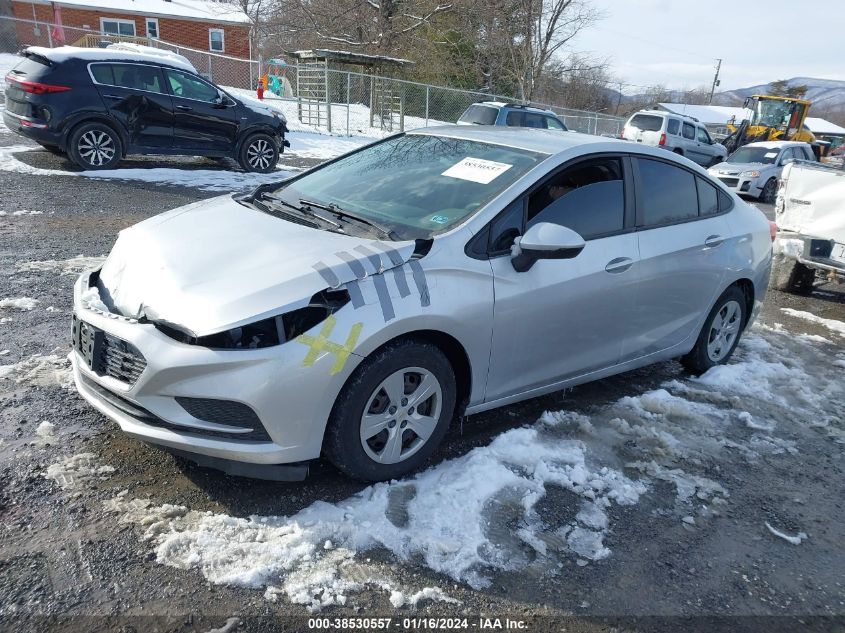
(106, 354)
(145, 417)
(225, 412)
(730, 182)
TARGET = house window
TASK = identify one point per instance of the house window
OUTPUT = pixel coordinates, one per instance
(115, 26)
(152, 28)
(216, 40)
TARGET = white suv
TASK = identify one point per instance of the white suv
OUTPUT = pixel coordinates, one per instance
(679, 134)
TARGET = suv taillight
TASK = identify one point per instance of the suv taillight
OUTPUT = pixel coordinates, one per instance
(662, 139)
(35, 87)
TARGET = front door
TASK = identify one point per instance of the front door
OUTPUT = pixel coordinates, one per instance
(564, 318)
(201, 121)
(136, 97)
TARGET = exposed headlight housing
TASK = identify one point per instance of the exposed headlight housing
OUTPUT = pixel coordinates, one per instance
(750, 174)
(267, 332)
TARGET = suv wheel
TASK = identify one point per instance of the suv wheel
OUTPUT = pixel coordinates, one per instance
(95, 146)
(259, 153)
(720, 333)
(392, 413)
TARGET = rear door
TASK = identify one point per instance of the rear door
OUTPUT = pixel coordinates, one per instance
(705, 148)
(136, 97)
(563, 318)
(683, 236)
(201, 121)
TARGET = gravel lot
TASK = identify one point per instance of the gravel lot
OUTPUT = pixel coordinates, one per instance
(763, 448)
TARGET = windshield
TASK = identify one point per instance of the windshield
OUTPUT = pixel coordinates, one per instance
(766, 155)
(773, 113)
(414, 185)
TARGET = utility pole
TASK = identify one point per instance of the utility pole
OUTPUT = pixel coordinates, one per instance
(715, 80)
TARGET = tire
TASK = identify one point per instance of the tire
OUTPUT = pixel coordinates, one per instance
(95, 146)
(790, 275)
(259, 153)
(678, 151)
(720, 333)
(770, 191)
(391, 447)
(53, 149)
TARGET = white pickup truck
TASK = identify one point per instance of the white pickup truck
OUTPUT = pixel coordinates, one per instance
(810, 214)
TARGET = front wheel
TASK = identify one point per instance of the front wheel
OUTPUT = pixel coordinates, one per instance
(259, 153)
(769, 192)
(95, 146)
(720, 333)
(392, 413)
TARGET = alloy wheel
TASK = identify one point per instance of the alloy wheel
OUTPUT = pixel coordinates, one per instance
(723, 331)
(96, 147)
(401, 414)
(259, 154)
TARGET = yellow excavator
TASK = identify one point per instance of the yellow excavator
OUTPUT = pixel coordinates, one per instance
(772, 119)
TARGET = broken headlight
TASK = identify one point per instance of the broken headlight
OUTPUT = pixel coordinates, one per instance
(267, 332)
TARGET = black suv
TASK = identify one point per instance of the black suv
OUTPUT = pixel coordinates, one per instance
(99, 105)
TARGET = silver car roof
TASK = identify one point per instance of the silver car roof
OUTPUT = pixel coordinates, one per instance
(533, 139)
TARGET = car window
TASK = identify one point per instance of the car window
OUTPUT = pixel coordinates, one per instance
(534, 120)
(135, 76)
(417, 185)
(785, 155)
(703, 136)
(506, 227)
(514, 119)
(190, 87)
(668, 193)
(708, 197)
(553, 123)
(479, 115)
(673, 126)
(647, 122)
(689, 130)
(588, 198)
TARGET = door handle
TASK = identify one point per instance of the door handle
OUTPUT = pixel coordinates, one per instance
(713, 241)
(184, 108)
(115, 97)
(619, 265)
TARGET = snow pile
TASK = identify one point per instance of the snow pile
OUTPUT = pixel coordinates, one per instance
(20, 303)
(72, 266)
(46, 430)
(795, 540)
(483, 513)
(831, 324)
(40, 371)
(91, 300)
(77, 471)
(21, 212)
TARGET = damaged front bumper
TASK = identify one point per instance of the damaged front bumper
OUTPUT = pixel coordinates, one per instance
(228, 409)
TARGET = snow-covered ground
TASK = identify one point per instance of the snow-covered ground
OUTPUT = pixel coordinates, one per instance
(478, 514)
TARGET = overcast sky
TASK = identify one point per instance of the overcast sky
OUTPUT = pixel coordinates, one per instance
(676, 42)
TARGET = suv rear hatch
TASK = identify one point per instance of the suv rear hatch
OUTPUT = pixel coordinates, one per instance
(644, 128)
(28, 83)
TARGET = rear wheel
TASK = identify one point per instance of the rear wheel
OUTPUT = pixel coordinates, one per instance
(720, 333)
(95, 146)
(392, 413)
(259, 153)
(790, 275)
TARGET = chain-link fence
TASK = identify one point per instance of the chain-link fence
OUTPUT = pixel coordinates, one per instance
(313, 96)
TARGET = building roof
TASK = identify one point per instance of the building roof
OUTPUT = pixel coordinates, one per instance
(707, 114)
(345, 57)
(821, 126)
(206, 10)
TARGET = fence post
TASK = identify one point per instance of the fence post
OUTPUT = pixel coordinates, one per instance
(49, 37)
(427, 89)
(348, 100)
(328, 101)
(210, 76)
(401, 107)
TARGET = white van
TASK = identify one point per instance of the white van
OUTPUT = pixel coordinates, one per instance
(679, 134)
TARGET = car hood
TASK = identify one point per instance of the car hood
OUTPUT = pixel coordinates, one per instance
(737, 168)
(217, 264)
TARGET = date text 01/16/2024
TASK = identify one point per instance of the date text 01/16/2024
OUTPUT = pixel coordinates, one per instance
(482, 623)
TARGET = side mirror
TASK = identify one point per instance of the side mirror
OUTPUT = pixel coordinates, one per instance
(545, 240)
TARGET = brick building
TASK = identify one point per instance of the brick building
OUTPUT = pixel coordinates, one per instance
(204, 25)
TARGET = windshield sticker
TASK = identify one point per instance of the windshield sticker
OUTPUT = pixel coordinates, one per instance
(770, 155)
(477, 170)
(439, 219)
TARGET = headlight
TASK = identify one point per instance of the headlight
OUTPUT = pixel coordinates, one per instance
(268, 332)
(750, 174)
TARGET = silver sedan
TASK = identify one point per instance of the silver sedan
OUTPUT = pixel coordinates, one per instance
(353, 311)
